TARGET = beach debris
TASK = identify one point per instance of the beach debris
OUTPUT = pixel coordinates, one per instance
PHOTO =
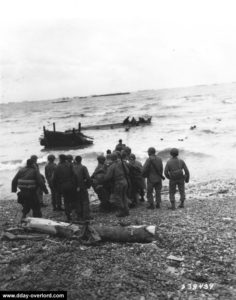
(223, 191)
(16, 237)
(175, 258)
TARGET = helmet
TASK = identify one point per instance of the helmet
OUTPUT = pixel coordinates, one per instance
(113, 156)
(69, 157)
(51, 157)
(101, 158)
(174, 152)
(151, 150)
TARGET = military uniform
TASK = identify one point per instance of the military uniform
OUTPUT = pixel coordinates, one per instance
(82, 198)
(174, 172)
(154, 179)
(64, 183)
(28, 180)
(117, 173)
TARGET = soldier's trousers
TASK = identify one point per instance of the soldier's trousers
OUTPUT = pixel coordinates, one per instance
(82, 204)
(173, 184)
(29, 200)
(120, 193)
(68, 202)
(150, 188)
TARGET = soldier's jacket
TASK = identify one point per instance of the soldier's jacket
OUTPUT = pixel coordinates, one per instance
(28, 178)
(98, 175)
(49, 171)
(62, 175)
(117, 172)
(149, 170)
(174, 164)
(82, 176)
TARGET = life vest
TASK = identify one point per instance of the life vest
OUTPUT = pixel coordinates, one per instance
(26, 184)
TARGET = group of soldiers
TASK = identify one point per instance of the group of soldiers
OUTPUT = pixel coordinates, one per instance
(119, 180)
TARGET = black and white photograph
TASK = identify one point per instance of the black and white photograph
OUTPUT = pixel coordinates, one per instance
(117, 154)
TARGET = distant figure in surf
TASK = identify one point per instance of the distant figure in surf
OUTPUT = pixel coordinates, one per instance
(153, 170)
(28, 179)
(177, 172)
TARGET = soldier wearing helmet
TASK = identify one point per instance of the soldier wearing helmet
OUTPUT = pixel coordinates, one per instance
(177, 172)
(49, 171)
(118, 173)
(153, 170)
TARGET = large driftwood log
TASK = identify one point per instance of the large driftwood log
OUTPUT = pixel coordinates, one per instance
(130, 234)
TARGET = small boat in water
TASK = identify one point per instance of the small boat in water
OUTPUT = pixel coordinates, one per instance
(127, 123)
(59, 139)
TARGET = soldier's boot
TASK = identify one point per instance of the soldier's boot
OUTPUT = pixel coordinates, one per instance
(181, 204)
(172, 205)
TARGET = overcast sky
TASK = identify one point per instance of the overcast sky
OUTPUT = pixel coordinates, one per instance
(58, 48)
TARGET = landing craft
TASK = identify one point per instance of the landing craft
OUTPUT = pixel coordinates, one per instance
(69, 138)
(127, 124)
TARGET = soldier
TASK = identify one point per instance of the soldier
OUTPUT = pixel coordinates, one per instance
(174, 172)
(152, 170)
(69, 158)
(137, 181)
(99, 185)
(49, 171)
(64, 183)
(120, 146)
(118, 173)
(28, 180)
(39, 190)
(83, 182)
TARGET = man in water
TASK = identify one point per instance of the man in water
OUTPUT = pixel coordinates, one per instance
(174, 172)
(118, 173)
(28, 180)
(83, 182)
(153, 171)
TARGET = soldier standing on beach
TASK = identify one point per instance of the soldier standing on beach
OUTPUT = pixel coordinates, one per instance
(153, 171)
(49, 171)
(63, 182)
(118, 174)
(174, 172)
(28, 180)
(83, 182)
